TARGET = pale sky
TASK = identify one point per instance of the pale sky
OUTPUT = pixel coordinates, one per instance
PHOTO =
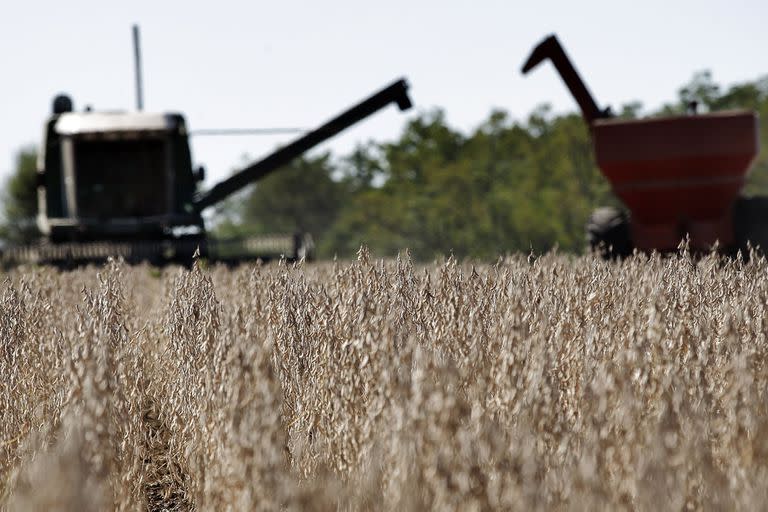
(254, 64)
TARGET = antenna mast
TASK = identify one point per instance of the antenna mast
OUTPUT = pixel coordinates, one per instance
(137, 63)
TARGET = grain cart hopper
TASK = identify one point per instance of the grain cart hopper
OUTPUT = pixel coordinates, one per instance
(677, 176)
(123, 184)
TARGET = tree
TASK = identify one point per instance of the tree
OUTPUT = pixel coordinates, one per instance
(702, 90)
(506, 186)
(20, 200)
(363, 169)
(301, 197)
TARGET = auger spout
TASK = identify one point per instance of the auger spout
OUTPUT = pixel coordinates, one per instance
(551, 49)
(397, 93)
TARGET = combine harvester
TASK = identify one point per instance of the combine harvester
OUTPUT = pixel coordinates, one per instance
(122, 184)
(679, 176)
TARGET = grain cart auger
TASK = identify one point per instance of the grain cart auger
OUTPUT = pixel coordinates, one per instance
(123, 184)
(677, 175)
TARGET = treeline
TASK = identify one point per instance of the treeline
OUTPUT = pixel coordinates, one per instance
(507, 186)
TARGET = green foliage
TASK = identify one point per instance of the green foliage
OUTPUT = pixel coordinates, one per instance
(20, 200)
(701, 90)
(507, 186)
(301, 197)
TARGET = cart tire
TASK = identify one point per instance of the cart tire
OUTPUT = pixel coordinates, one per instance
(608, 233)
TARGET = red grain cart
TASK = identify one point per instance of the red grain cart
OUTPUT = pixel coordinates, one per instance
(679, 176)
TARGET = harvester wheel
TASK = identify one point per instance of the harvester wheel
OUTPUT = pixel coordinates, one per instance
(608, 233)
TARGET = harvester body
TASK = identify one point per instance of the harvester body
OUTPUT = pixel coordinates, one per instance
(113, 176)
(123, 184)
(679, 176)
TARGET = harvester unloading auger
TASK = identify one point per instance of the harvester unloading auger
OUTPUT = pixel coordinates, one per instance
(679, 176)
(122, 184)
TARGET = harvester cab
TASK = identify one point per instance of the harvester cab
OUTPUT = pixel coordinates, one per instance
(678, 176)
(115, 176)
(123, 184)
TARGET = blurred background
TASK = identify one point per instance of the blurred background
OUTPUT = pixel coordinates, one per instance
(488, 162)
